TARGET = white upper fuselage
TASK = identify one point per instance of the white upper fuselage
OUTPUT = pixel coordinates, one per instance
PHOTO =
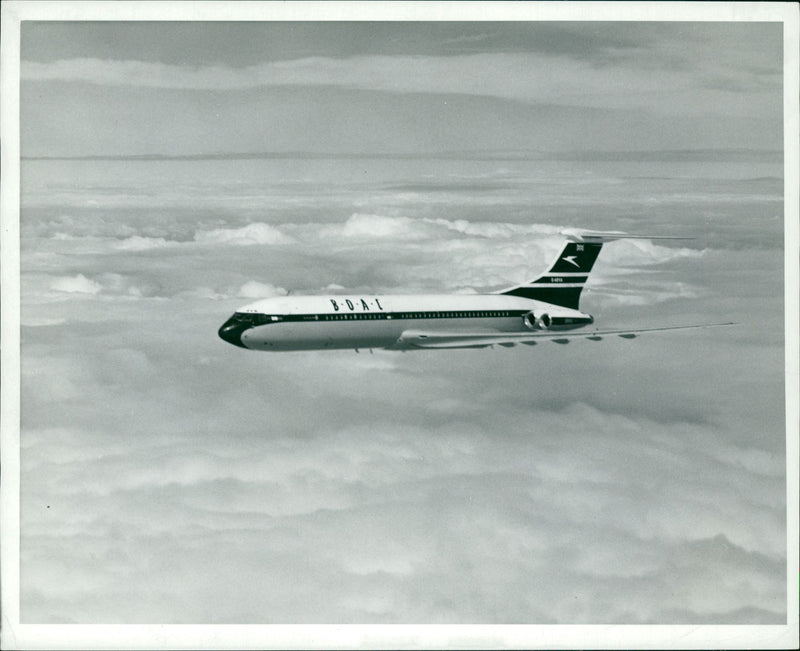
(369, 321)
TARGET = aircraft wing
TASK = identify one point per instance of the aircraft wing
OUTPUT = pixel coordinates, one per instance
(411, 339)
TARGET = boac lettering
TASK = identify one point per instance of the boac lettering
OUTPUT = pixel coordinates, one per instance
(353, 303)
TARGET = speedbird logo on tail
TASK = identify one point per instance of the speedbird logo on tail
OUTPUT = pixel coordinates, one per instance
(571, 260)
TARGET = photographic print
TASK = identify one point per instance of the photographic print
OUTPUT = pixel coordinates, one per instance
(403, 322)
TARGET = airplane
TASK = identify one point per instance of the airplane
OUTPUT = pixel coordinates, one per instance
(546, 308)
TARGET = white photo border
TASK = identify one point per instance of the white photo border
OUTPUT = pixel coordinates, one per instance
(27, 636)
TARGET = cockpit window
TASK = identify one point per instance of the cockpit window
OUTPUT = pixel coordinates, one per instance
(251, 319)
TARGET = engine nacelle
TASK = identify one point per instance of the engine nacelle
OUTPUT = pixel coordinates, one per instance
(533, 321)
(556, 320)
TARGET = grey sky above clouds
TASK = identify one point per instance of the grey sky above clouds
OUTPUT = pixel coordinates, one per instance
(168, 477)
(222, 87)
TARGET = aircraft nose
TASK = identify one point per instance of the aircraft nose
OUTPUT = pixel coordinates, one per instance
(231, 331)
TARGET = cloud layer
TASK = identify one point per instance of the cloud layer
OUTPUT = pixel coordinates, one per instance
(168, 477)
(475, 256)
(335, 88)
(522, 77)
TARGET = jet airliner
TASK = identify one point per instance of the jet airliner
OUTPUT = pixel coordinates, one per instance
(546, 308)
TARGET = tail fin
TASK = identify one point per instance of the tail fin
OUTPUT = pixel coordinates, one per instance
(562, 283)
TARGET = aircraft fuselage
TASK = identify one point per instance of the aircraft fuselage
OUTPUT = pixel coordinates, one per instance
(542, 309)
(366, 321)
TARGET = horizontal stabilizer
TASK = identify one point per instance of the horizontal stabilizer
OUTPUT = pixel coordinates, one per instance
(600, 237)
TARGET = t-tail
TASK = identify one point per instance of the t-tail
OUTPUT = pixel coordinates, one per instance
(563, 282)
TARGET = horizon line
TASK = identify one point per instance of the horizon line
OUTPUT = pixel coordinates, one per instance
(507, 154)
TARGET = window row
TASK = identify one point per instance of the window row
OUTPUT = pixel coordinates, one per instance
(418, 315)
(262, 319)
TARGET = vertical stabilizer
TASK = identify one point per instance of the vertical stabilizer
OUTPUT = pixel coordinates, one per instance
(563, 282)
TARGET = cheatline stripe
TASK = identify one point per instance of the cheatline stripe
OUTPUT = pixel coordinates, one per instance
(267, 319)
(547, 283)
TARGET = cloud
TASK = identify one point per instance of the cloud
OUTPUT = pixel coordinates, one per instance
(138, 243)
(531, 87)
(456, 255)
(128, 286)
(204, 293)
(379, 227)
(79, 284)
(256, 233)
(517, 76)
(170, 477)
(394, 227)
(610, 295)
(255, 289)
(430, 254)
(447, 516)
(34, 322)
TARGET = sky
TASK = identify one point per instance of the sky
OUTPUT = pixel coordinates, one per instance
(193, 88)
(168, 477)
